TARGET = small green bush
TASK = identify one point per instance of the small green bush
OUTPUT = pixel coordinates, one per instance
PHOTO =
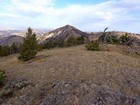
(71, 41)
(1, 78)
(113, 39)
(49, 45)
(80, 40)
(39, 47)
(93, 45)
(127, 40)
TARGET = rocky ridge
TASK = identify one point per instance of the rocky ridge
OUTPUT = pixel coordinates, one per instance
(63, 33)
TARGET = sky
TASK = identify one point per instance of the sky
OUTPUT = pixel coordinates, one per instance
(87, 15)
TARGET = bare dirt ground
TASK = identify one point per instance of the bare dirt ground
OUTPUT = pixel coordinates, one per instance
(74, 76)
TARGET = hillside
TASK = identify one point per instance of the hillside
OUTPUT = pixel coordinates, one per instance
(63, 33)
(9, 40)
(7, 37)
(96, 35)
(22, 33)
(74, 76)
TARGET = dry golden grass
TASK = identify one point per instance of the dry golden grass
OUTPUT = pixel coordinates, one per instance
(119, 71)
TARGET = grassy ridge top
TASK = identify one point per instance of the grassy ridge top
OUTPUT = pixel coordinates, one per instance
(111, 68)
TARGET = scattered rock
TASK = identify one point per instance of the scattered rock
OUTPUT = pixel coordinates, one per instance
(21, 85)
(68, 86)
(86, 93)
(138, 101)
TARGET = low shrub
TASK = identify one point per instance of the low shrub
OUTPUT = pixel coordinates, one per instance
(80, 40)
(39, 47)
(49, 45)
(113, 39)
(1, 78)
(127, 40)
(71, 41)
(93, 45)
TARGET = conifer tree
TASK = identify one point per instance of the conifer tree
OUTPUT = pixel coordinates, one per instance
(0, 48)
(4, 50)
(14, 48)
(28, 49)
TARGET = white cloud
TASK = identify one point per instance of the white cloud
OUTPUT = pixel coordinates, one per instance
(29, 7)
(7, 15)
(118, 14)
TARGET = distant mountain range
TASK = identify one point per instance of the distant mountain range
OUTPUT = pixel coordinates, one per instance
(7, 37)
(62, 33)
(9, 32)
(9, 40)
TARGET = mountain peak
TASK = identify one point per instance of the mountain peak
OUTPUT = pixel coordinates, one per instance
(63, 33)
(67, 27)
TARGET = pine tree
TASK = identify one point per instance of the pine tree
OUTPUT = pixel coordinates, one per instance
(14, 48)
(5, 51)
(0, 48)
(29, 47)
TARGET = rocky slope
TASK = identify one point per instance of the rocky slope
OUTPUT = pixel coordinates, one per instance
(63, 33)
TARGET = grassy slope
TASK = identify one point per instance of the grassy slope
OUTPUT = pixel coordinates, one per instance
(76, 64)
